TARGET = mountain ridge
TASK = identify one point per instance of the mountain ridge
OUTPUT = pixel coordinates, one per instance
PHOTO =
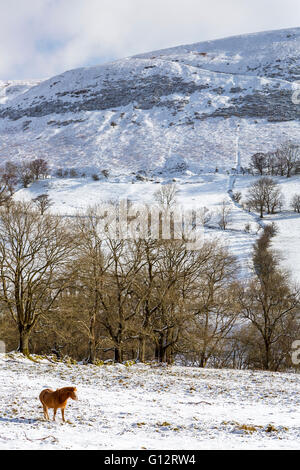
(133, 113)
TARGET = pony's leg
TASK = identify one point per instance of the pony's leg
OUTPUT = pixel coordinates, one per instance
(45, 409)
(63, 414)
(54, 414)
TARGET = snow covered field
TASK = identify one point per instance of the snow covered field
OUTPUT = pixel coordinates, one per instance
(287, 241)
(147, 407)
(69, 196)
(75, 194)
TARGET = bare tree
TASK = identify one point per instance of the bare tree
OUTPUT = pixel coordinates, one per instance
(296, 203)
(92, 264)
(264, 195)
(290, 154)
(166, 195)
(274, 163)
(4, 193)
(268, 309)
(176, 273)
(145, 289)
(224, 215)
(25, 174)
(73, 173)
(34, 252)
(105, 173)
(213, 304)
(259, 162)
(237, 196)
(59, 173)
(9, 176)
(174, 269)
(43, 202)
(39, 168)
(204, 215)
(281, 162)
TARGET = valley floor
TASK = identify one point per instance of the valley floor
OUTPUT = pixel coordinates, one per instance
(148, 407)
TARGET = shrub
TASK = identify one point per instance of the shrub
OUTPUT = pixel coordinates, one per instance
(237, 196)
(105, 173)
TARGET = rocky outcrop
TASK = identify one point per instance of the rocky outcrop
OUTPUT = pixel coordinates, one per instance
(275, 106)
(144, 94)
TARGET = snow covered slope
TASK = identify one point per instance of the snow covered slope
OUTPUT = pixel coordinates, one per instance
(11, 89)
(73, 195)
(133, 113)
(145, 407)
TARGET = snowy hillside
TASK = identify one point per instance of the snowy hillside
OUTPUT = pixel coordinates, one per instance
(11, 89)
(71, 196)
(146, 407)
(133, 113)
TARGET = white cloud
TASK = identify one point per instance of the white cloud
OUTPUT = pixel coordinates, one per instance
(40, 38)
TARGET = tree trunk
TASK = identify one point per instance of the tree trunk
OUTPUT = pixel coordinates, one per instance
(92, 342)
(169, 355)
(159, 350)
(202, 361)
(261, 212)
(142, 349)
(118, 354)
(156, 353)
(267, 356)
(92, 351)
(24, 333)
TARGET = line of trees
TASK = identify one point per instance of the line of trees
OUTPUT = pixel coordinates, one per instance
(285, 161)
(66, 287)
(12, 174)
(265, 197)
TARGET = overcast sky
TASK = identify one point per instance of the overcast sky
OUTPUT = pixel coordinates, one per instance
(41, 38)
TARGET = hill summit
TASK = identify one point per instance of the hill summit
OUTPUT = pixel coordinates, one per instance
(134, 113)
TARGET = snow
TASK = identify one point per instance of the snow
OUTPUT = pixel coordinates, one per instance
(148, 407)
(142, 406)
(286, 242)
(144, 135)
(11, 89)
(175, 164)
(206, 190)
(250, 54)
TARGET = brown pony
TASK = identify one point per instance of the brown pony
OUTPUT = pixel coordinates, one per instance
(57, 399)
